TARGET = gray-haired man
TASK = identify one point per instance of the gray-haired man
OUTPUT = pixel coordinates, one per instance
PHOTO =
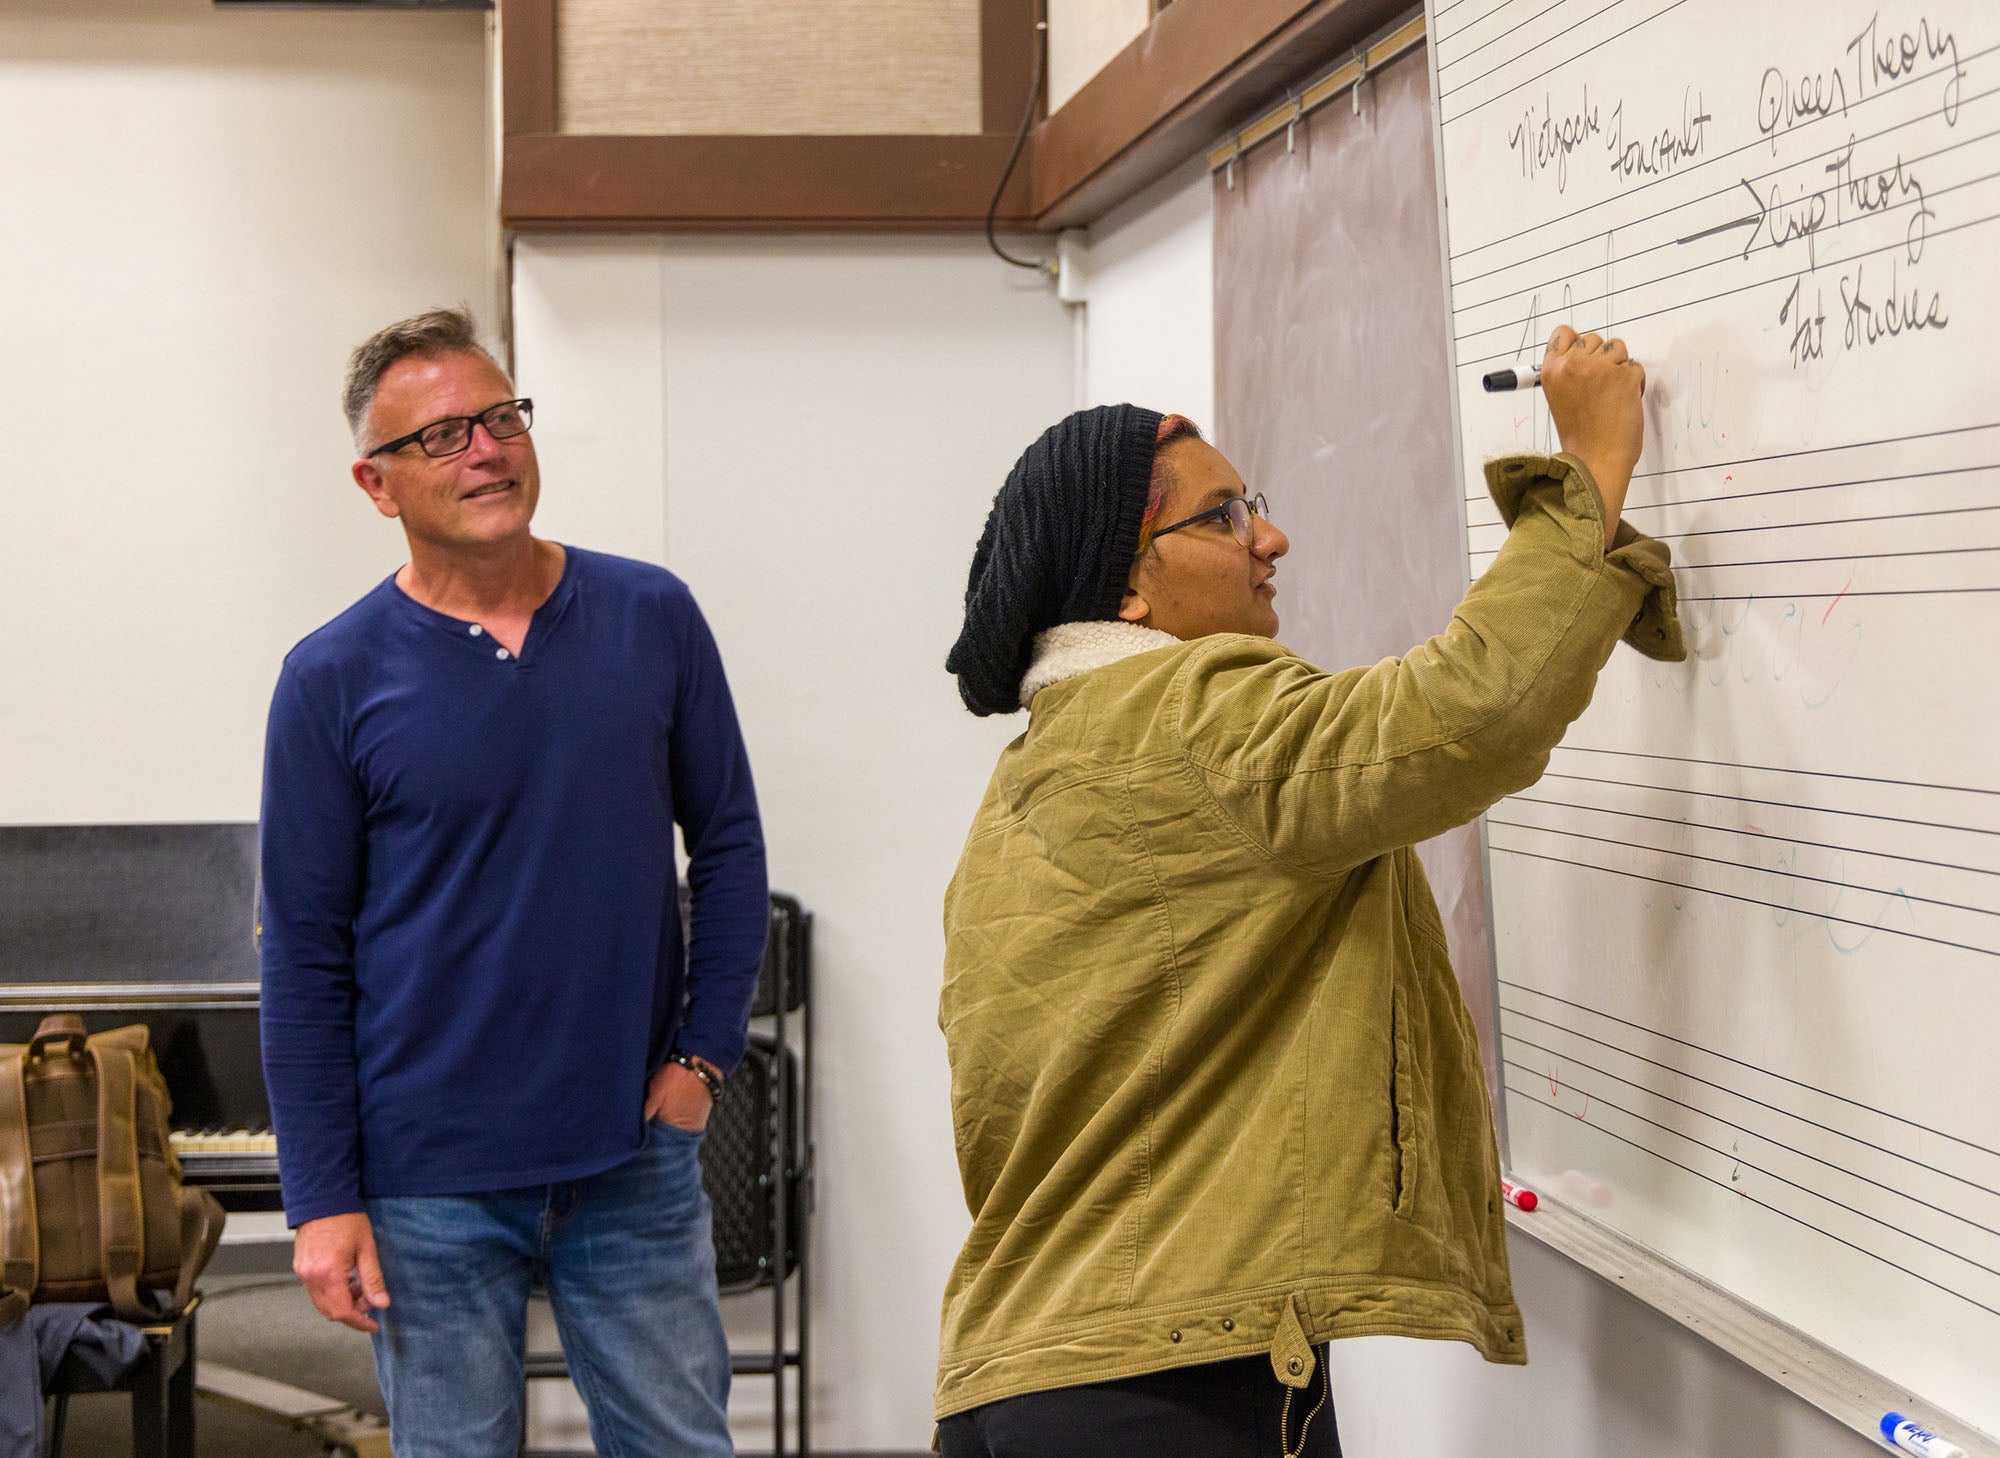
(489, 1061)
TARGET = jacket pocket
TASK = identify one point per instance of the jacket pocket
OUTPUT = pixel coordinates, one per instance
(1406, 1146)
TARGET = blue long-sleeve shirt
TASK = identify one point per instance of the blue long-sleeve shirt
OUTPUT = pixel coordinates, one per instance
(471, 943)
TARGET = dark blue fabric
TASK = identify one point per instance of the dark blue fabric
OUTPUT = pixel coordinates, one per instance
(103, 1352)
(471, 947)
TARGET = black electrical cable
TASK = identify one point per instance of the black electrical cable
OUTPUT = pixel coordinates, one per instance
(1040, 265)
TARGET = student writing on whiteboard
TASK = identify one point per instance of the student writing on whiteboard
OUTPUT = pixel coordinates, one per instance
(1216, 1098)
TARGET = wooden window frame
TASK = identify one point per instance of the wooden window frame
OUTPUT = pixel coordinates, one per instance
(552, 179)
(1200, 67)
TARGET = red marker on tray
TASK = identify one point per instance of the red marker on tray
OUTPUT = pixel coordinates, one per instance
(1520, 1197)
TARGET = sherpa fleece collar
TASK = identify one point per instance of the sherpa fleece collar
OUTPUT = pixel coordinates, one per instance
(1068, 649)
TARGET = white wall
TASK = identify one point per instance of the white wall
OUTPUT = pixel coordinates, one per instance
(205, 211)
(837, 415)
(588, 350)
(1148, 276)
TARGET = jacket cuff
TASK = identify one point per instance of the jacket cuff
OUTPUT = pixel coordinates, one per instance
(1655, 630)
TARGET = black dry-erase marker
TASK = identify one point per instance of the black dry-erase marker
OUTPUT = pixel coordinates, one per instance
(1512, 379)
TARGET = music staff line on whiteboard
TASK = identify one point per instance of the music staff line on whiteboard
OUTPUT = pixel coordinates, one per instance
(1755, 834)
(1687, 872)
(1738, 462)
(1444, 10)
(1768, 1106)
(1599, 1098)
(1444, 96)
(1722, 261)
(1775, 769)
(1741, 799)
(1870, 927)
(1532, 1098)
(1524, 324)
(1900, 478)
(1597, 265)
(1798, 526)
(1889, 891)
(1811, 798)
(1687, 566)
(1629, 224)
(1509, 32)
(1943, 433)
(1749, 1067)
(1631, 192)
(1474, 555)
(1911, 863)
(1788, 526)
(1821, 596)
(1514, 327)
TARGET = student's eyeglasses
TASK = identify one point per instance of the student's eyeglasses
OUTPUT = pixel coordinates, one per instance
(453, 434)
(1238, 509)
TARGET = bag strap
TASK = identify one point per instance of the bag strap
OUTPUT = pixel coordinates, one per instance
(201, 1231)
(57, 1028)
(20, 1235)
(121, 1211)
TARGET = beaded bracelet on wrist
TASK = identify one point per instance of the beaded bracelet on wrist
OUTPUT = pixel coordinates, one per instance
(709, 1080)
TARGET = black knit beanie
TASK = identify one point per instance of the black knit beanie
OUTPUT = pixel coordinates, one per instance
(1057, 548)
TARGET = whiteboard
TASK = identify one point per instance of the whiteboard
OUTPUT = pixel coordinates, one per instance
(1747, 928)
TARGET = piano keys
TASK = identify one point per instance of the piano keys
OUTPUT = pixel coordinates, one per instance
(205, 1038)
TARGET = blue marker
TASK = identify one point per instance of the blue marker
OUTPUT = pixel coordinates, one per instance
(1906, 1435)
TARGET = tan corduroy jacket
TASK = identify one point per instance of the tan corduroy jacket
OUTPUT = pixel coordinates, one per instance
(1214, 1090)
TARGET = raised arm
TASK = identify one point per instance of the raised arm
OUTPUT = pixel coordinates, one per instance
(1327, 770)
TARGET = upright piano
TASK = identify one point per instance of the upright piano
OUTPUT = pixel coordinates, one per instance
(152, 924)
(156, 924)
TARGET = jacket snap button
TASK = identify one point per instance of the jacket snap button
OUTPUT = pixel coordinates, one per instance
(1175, 1334)
(1228, 1325)
(1295, 1366)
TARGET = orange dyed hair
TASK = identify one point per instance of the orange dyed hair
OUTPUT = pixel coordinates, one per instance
(1172, 428)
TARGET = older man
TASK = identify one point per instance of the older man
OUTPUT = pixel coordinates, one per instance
(489, 1061)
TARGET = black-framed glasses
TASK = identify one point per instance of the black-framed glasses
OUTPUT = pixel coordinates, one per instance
(1237, 509)
(453, 434)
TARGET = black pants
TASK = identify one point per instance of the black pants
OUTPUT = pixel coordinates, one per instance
(1232, 1409)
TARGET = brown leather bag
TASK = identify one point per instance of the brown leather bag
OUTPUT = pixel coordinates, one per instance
(91, 1202)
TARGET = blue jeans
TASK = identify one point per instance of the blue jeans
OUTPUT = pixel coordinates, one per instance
(629, 1265)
